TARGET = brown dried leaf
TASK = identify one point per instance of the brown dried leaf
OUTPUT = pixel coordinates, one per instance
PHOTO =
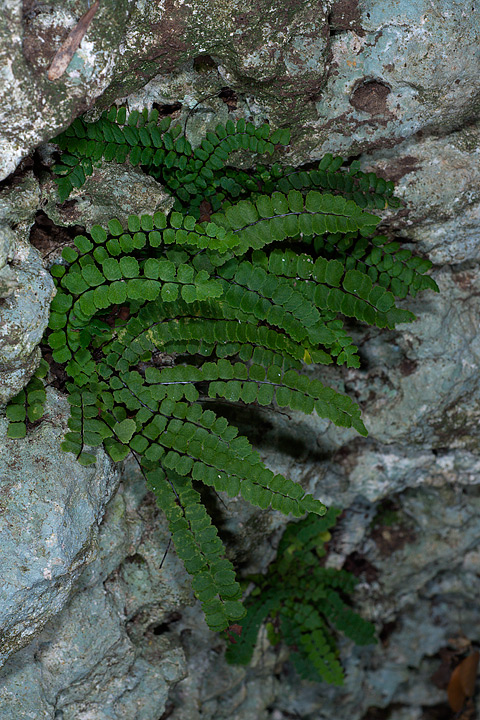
(462, 682)
(67, 50)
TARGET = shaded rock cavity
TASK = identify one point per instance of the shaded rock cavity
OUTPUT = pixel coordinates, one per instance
(371, 97)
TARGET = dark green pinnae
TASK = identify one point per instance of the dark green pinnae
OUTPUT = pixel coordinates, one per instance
(245, 283)
(304, 602)
(28, 405)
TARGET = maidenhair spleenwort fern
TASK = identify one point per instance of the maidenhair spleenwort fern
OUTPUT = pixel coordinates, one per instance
(227, 297)
(304, 602)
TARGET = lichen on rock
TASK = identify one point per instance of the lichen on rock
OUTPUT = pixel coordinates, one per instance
(50, 511)
(89, 615)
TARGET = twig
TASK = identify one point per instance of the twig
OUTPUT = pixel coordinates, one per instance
(67, 50)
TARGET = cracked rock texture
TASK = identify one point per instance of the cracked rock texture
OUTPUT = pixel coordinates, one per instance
(112, 191)
(346, 75)
(95, 624)
(26, 288)
(98, 652)
(50, 509)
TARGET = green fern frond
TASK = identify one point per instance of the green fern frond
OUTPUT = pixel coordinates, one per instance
(366, 189)
(220, 287)
(28, 405)
(301, 598)
(199, 547)
(143, 140)
(384, 262)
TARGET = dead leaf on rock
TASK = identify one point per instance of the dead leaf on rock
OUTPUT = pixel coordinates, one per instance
(462, 682)
(67, 50)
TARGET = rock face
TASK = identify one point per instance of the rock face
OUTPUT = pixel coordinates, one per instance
(345, 76)
(50, 511)
(95, 624)
(104, 652)
(26, 288)
(112, 191)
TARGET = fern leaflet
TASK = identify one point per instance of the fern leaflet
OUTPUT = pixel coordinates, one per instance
(242, 285)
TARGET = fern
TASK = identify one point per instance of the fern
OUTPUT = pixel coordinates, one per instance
(164, 151)
(304, 601)
(221, 288)
(28, 405)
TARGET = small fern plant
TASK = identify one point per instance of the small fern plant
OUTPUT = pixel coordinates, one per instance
(303, 602)
(226, 299)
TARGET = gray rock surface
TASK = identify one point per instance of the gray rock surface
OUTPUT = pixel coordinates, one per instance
(438, 177)
(30, 35)
(19, 200)
(112, 191)
(347, 77)
(50, 511)
(114, 629)
(397, 68)
(107, 653)
(26, 290)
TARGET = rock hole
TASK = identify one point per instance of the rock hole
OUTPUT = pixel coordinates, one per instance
(164, 110)
(136, 558)
(332, 28)
(229, 97)
(359, 565)
(348, 161)
(204, 63)
(17, 176)
(408, 367)
(371, 97)
(168, 712)
(438, 712)
(163, 627)
(387, 630)
(48, 237)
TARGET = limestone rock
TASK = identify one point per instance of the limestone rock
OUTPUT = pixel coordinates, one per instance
(398, 68)
(112, 191)
(78, 668)
(26, 288)
(396, 81)
(105, 653)
(349, 78)
(51, 509)
(19, 200)
(438, 179)
(37, 108)
(26, 291)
